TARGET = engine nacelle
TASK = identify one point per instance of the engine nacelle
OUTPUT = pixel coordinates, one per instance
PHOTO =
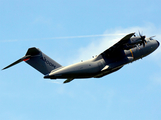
(135, 40)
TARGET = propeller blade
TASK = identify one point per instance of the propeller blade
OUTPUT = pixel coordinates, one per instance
(143, 39)
(143, 44)
(139, 34)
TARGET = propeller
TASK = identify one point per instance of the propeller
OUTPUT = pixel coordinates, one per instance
(143, 39)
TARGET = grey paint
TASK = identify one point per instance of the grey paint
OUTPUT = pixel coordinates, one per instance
(42, 62)
(127, 50)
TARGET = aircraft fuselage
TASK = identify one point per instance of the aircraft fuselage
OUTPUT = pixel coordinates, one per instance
(100, 67)
(125, 51)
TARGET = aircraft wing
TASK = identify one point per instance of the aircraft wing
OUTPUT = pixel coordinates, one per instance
(117, 46)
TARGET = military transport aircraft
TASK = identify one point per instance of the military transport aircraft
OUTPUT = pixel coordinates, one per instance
(127, 50)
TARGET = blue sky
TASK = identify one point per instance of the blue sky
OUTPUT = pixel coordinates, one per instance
(134, 92)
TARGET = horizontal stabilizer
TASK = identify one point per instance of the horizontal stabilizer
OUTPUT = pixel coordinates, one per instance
(25, 58)
(37, 59)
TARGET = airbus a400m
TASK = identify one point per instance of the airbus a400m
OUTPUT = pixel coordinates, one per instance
(127, 50)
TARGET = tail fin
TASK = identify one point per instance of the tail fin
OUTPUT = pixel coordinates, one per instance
(38, 60)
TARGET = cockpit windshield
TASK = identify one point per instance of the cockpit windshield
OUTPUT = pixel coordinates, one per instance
(151, 38)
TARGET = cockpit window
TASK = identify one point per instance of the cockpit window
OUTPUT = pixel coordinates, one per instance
(150, 38)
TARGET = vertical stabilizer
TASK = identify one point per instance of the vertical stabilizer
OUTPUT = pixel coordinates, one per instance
(38, 60)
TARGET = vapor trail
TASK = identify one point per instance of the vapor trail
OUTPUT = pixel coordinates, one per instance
(67, 37)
